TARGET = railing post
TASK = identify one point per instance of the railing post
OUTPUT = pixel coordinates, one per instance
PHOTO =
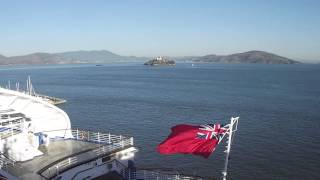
(121, 142)
(57, 168)
(88, 136)
(129, 177)
(131, 141)
(98, 138)
(77, 134)
(109, 138)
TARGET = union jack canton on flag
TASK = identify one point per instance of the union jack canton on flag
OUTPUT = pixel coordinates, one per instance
(214, 132)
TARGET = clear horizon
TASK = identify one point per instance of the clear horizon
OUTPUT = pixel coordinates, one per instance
(171, 28)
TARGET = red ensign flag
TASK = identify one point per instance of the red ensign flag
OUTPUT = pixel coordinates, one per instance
(198, 140)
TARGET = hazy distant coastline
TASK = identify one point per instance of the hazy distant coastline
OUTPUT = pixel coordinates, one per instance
(104, 56)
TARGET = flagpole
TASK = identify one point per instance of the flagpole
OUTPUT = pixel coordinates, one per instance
(229, 141)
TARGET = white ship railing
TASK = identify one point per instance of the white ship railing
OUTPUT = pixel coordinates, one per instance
(133, 173)
(97, 137)
(5, 162)
(109, 143)
(6, 165)
(155, 175)
(152, 174)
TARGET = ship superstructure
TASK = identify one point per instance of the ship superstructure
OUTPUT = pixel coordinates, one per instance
(37, 142)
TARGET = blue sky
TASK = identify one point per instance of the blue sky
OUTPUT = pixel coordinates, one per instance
(168, 27)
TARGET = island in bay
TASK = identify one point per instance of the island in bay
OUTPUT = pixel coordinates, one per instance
(160, 61)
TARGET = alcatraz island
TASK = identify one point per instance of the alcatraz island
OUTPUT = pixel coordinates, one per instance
(160, 61)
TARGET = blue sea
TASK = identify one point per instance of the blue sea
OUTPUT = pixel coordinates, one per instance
(278, 135)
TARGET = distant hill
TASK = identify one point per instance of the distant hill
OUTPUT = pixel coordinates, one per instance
(104, 56)
(185, 58)
(35, 58)
(260, 57)
(71, 57)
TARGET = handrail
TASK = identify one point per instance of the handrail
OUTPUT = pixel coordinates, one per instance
(6, 164)
(118, 164)
(152, 174)
(4, 161)
(109, 143)
(159, 175)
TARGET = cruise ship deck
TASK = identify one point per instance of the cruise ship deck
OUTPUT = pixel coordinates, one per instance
(57, 151)
(64, 154)
(37, 142)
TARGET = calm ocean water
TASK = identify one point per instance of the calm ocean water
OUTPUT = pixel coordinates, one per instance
(278, 105)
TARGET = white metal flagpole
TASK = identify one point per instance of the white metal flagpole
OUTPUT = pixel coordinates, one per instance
(232, 128)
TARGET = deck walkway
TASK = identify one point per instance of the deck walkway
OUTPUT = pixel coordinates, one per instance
(56, 151)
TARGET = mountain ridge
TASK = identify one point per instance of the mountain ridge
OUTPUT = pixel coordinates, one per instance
(69, 57)
(104, 56)
(254, 56)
